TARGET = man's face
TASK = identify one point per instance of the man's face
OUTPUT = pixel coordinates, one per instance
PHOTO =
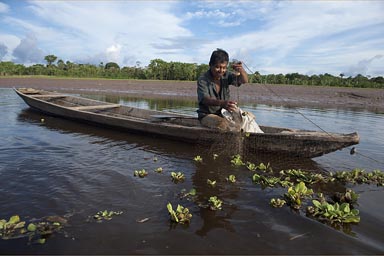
(219, 69)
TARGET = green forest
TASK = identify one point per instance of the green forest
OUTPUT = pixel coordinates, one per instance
(161, 70)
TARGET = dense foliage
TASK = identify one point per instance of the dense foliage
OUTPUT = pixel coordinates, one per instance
(161, 70)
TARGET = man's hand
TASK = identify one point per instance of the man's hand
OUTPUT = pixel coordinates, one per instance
(229, 105)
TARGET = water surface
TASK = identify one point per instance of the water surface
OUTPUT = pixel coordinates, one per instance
(60, 167)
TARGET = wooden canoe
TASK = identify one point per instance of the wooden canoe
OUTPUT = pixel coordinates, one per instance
(285, 141)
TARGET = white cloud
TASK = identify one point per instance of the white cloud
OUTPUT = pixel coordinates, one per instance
(3, 8)
(113, 53)
(27, 51)
(80, 30)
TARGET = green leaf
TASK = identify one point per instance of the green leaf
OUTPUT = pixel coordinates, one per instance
(345, 207)
(179, 209)
(41, 241)
(192, 192)
(316, 203)
(31, 227)
(169, 207)
(20, 224)
(14, 219)
(352, 219)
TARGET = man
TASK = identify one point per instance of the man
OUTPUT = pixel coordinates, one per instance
(213, 91)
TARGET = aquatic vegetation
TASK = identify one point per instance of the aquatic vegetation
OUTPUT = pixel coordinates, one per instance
(359, 176)
(212, 183)
(159, 170)
(348, 197)
(231, 178)
(37, 232)
(180, 215)
(304, 176)
(12, 227)
(265, 181)
(236, 160)
(251, 166)
(106, 215)
(215, 203)
(277, 202)
(341, 213)
(296, 194)
(140, 173)
(263, 167)
(177, 177)
(198, 159)
(191, 195)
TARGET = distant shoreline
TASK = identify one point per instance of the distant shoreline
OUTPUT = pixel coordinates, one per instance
(278, 95)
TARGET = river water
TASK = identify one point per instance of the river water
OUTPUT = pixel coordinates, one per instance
(56, 167)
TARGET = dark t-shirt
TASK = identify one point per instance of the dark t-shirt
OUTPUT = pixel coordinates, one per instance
(206, 88)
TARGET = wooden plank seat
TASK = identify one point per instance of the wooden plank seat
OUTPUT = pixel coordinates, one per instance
(48, 96)
(96, 107)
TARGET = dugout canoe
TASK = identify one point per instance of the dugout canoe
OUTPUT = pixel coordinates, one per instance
(285, 141)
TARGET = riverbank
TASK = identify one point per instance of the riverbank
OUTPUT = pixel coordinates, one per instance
(278, 95)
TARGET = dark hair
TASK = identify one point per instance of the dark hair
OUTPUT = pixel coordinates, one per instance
(218, 56)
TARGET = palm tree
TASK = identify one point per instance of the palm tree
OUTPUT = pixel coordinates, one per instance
(50, 59)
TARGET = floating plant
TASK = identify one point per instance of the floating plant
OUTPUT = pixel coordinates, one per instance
(191, 195)
(180, 215)
(212, 183)
(236, 160)
(359, 176)
(198, 159)
(140, 173)
(215, 203)
(37, 232)
(348, 197)
(277, 202)
(106, 215)
(231, 178)
(177, 177)
(304, 176)
(251, 166)
(296, 194)
(159, 170)
(265, 181)
(333, 213)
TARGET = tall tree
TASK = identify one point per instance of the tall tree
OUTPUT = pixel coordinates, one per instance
(50, 59)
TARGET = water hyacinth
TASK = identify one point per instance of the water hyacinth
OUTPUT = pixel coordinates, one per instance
(177, 177)
(231, 178)
(180, 215)
(277, 202)
(215, 203)
(296, 194)
(106, 215)
(140, 173)
(36, 231)
(211, 183)
(332, 213)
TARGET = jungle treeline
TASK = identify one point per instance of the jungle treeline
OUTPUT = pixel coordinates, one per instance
(161, 70)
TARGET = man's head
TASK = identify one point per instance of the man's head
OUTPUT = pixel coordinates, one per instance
(218, 63)
(218, 56)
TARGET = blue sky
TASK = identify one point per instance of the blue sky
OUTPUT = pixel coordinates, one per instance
(309, 37)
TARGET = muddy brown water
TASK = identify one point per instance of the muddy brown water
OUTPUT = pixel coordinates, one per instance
(63, 168)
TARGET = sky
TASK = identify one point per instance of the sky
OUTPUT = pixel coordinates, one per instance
(271, 37)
